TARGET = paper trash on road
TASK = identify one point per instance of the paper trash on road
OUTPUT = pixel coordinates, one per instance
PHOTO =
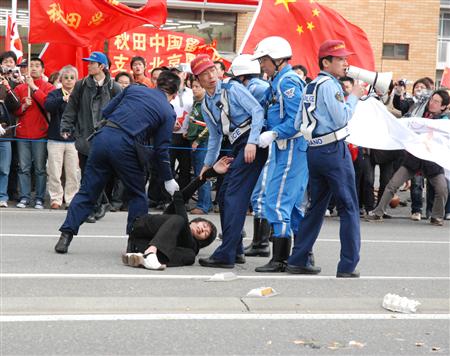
(399, 304)
(262, 292)
(223, 277)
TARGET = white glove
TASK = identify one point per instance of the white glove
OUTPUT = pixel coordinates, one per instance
(266, 138)
(171, 186)
(2, 130)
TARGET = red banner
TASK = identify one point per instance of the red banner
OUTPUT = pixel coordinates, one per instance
(79, 22)
(158, 47)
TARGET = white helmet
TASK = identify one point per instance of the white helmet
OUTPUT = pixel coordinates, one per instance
(275, 47)
(244, 64)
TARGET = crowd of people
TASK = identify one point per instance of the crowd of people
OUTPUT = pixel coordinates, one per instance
(273, 138)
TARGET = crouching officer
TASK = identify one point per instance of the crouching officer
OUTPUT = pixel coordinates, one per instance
(324, 115)
(229, 109)
(288, 176)
(132, 117)
(248, 71)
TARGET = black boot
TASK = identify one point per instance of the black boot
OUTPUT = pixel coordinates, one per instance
(260, 244)
(281, 251)
(63, 243)
(101, 211)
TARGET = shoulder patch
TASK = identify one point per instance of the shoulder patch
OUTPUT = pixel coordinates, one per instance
(289, 93)
(339, 97)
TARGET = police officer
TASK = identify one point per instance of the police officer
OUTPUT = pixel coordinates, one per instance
(248, 71)
(119, 147)
(288, 178)
(229, 109)
(324, 115)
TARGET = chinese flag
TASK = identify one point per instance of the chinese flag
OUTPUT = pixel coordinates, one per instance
(306, 25)
(79, 22)
(12, 39)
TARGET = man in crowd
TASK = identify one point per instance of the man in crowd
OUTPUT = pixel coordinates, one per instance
(32, 129)
(324, 114)
(229, 109)
(138, 67)
(119, 147)
(84, 112)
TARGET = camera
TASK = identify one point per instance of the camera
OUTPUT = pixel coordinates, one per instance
(10, 72)
(403, 82)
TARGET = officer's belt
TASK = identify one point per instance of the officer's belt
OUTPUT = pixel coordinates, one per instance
(329, 138)
(238, 132)
(282, 144)
(112, 124)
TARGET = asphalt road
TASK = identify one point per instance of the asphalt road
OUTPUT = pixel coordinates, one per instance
(88, 303)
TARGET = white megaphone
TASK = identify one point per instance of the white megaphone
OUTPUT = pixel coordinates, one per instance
(379, 81)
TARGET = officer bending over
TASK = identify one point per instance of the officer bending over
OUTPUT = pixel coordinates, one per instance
(134, 116)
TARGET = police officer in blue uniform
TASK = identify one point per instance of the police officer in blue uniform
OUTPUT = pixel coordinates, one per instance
(132, 117)
(288, 177)
(323, 118)
(248, 71)
(229, 109)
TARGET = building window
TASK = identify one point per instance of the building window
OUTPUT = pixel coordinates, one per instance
(395, 51)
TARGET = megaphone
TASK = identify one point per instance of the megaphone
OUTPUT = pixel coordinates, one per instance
(377, 80)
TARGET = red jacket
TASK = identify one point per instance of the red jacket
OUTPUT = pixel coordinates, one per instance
(32, 122)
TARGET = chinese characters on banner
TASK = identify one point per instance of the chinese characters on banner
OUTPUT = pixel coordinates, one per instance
(158, 47)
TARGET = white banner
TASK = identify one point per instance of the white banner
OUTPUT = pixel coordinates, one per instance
(373, 126)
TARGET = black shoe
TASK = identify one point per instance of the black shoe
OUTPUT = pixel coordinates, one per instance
(240, 259)
(354, 274)
(272, 267)
(254, 250)
(63, 243)
(101, 211)
(91, 218)
(303, 269)
(211, 262)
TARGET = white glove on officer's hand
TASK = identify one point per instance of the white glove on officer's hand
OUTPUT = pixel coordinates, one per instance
(171, 186)
(266, 138)
(2, 130)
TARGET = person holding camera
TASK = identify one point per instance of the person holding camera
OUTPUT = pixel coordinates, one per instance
(8, 104)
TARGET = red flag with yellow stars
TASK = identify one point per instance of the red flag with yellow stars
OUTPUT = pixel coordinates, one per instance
(78, 23)
(306, 25)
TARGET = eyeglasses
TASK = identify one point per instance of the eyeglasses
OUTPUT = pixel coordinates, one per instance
(69, 77)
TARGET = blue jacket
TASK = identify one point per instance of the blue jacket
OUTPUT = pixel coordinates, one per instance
(55, 105)
(143, 113)
(258, 88)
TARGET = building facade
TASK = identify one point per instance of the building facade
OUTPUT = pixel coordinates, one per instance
(409, 38)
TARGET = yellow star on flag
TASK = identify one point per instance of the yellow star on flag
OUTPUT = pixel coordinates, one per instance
(310, 26)
(315, 12)
(300, 29)
(285, 3)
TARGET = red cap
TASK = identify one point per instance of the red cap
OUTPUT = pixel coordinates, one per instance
(335, 48)
(201, 63)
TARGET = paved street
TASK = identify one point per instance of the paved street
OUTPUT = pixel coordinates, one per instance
(88, 303)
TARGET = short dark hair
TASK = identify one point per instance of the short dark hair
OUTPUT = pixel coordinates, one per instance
(347, 79)
(212, 235)
(444, 95)
(37, 59)
(424, 81)
(52, 78)
(8, 54)
(221, 65)
(168, 82)
(123, 74)
(301, 67)
(138, 59)
(328, 58)
(158, 68)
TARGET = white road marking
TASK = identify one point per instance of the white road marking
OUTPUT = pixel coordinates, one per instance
(246, 239)
(201, 276)
(150, 317)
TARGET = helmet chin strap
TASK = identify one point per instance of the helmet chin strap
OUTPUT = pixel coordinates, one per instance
(277, 66)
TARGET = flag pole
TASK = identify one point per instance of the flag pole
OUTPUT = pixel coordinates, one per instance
(29, 45)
